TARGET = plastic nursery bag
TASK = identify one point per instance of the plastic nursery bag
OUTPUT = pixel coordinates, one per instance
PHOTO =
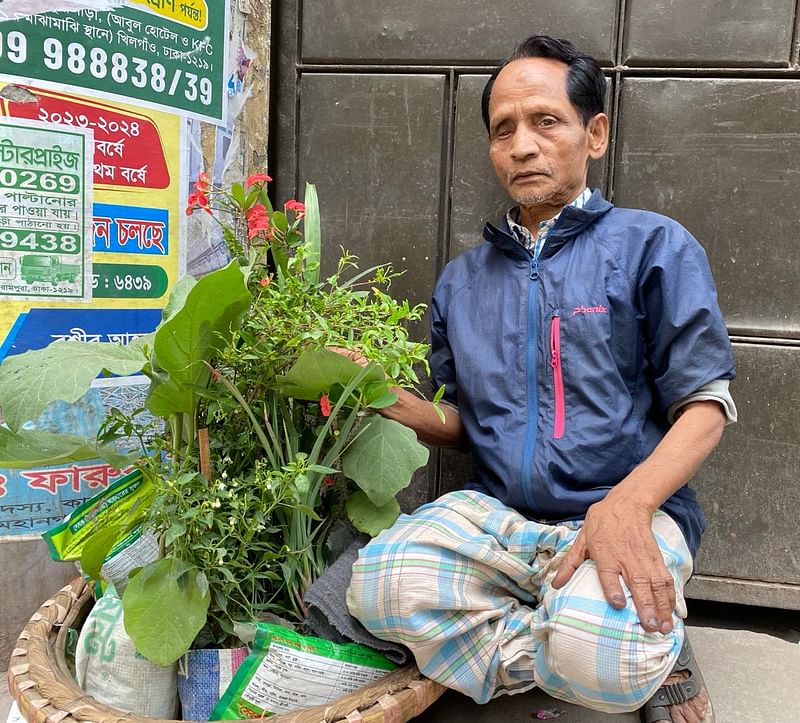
(110, 512)
(286, 671)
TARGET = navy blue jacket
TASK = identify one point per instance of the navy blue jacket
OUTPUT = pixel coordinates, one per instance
(563, 368)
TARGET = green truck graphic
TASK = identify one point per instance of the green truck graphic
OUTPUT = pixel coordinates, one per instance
(48, 268)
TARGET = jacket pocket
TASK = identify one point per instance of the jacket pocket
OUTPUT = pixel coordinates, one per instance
(558, 377)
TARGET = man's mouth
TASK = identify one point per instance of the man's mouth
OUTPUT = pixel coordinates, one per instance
(527, 175)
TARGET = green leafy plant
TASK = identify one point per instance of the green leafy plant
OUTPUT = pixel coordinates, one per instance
(295, 442)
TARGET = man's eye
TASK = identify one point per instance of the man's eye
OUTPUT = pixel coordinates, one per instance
(547, 122)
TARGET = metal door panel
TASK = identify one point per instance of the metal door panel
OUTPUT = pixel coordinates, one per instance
(458, 31)
(712, 32)
(373, 146)
(722, 156)
(476, 194)
(749, 488)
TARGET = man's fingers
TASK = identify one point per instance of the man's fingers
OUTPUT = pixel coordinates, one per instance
(645, 603)
(612, 588)
(571, 562)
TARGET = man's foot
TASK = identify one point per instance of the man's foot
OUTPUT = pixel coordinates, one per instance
(694, 710)
(682, 697)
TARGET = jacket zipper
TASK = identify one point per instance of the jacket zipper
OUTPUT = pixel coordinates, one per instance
(530, 437)
(558, 379)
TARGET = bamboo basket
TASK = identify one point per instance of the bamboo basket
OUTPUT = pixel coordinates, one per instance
(45, 691)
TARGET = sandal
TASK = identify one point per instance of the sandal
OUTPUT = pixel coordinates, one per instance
(657, 708)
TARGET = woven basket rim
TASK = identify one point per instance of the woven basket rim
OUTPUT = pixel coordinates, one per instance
(45, 691)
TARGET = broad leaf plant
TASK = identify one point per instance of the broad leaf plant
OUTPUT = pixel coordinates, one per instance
(295, 443)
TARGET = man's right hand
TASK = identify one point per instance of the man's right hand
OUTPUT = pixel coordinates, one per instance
(417, 413)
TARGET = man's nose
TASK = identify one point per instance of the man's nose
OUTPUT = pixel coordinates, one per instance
(526, 143)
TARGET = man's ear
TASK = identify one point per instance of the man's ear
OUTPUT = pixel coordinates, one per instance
(597, 130)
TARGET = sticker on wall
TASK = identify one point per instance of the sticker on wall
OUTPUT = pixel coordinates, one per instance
(45, 212)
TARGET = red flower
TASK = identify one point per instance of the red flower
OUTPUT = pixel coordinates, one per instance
(197, 200)
(295, 206)
(258, 178)
(202, 184)
(325, 405)
(329, 481)
(264, 281)
(257, 220)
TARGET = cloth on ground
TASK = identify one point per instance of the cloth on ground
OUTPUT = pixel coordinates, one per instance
(328, 616)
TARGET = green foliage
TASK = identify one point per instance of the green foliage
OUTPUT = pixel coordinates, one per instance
(295, 444)
(62, 371)
(31, 448)
(368, 517)
(165, 607)
(382, 459)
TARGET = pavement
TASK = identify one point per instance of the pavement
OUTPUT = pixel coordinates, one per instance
(750, 659)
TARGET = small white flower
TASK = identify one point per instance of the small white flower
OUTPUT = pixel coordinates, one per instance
(231, 521)
(221, 485)
(216, 504)
(224, 474)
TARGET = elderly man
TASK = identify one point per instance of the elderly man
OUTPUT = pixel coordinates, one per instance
(586, 365)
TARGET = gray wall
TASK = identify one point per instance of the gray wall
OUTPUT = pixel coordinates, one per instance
(378, 104)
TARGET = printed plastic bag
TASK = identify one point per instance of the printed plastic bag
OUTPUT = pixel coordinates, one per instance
(105, 533)
(286, 671)
(109, 669)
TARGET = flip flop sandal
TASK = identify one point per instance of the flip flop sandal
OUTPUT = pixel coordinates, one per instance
(657, 708)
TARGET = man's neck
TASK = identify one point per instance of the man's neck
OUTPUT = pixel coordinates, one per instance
(532, 216)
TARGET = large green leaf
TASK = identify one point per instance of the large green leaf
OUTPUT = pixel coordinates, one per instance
(317, 370)
(29, 449)
(177, 297)
(312, 229)
(382, 459)
(165, 607)
(190, 337)
(366, 517)
(62, 371)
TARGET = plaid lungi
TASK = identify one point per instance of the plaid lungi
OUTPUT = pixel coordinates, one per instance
(464, 582)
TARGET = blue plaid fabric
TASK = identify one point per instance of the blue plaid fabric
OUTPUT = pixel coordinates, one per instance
(464, 582)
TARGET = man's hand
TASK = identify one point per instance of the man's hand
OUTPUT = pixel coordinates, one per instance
(351, 354)
(416, 413)
(618, 537)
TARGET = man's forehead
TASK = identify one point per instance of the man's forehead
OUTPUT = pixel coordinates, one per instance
(529, 78)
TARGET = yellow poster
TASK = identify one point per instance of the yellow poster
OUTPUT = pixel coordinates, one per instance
(136, 218)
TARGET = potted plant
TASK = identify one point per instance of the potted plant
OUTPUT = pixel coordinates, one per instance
(242, 358)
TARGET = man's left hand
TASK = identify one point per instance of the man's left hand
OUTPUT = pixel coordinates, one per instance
(618, 537)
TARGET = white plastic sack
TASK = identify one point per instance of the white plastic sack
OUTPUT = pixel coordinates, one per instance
(109, 669)
(14, 716)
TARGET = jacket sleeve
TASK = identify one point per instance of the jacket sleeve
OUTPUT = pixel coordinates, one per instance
(443, 369)
(686, 340)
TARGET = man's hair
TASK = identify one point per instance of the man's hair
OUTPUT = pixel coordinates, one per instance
(586, 84)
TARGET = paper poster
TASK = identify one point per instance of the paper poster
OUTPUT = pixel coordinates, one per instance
(134, 223)
(46, 231)
(165, 54)
(34, 500)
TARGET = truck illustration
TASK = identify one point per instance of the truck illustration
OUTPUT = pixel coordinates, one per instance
(47, 268)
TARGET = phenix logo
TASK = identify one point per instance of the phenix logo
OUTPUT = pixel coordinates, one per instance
(589, 310)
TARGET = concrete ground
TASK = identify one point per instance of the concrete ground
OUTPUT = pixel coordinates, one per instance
(750, 658)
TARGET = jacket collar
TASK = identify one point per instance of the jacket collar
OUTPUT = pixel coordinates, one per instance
(571, 222)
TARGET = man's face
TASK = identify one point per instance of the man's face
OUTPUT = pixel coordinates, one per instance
(537, 145)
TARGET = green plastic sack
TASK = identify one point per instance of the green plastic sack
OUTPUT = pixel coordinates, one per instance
(106, 532)
(286, 671)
